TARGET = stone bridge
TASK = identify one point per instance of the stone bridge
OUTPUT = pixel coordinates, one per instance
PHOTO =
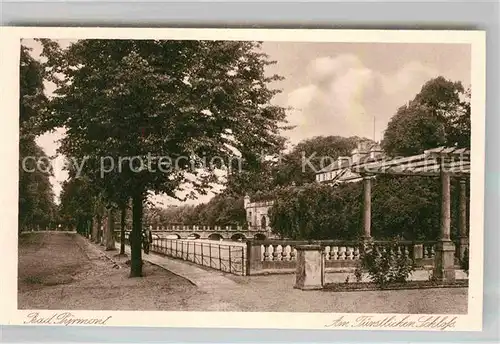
(210, 232)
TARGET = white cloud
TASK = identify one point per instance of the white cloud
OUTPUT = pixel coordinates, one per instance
(49, 143)
(411, 74)
(344, 95)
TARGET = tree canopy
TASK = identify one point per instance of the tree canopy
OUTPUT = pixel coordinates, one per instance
(406, 207)
(151, 100)
(36, 198)
(439, 115)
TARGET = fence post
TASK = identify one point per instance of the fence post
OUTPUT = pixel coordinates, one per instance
(220, 260)
(229, 258)
(202, 254)
(194, 251)
(243, 263)
(246, 260)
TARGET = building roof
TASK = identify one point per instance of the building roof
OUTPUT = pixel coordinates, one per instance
(455, 161)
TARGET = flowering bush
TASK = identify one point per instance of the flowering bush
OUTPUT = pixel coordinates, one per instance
(384, 264)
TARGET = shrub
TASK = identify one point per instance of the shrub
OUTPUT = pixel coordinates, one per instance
(384, 264)
(464, 262)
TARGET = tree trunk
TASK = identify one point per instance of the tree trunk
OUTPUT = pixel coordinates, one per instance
(110, 231)
(136, 237)
(122, 229)
(99, 231)
(88, 232)
(95, 231)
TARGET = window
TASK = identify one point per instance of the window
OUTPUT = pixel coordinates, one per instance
(263, 222)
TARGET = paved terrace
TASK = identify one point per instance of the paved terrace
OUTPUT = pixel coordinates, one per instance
(79, 275)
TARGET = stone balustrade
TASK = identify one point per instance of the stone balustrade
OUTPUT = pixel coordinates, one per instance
(195, 228)
(279, 256)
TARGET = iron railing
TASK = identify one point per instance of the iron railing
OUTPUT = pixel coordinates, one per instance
(222, 256)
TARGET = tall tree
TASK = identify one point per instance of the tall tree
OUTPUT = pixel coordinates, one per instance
(77, 204)
(438, 115)
(148, 99)
(36, 198)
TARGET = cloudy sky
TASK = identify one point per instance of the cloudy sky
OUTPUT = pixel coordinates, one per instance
(342, 88)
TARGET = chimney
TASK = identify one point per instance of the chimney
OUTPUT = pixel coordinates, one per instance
(341, 159)
(246, 201)
(375, 151)
(355, 156)
(360, 152)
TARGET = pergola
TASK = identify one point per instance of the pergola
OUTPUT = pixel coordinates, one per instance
(441, 162)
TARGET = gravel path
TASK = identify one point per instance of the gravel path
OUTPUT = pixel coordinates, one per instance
(65, 271)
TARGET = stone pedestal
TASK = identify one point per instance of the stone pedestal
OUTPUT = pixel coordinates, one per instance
(418, 252)
(310, 267)
(254, 258)
(444, 261)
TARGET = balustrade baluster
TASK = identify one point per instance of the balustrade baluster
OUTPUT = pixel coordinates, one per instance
(355, 253)
(428, 251)
(293, 253)
(348, 253)
(276, 254)
(334, 252)
(327, 251)
(284, 253)
(342, 253)
(267, 254)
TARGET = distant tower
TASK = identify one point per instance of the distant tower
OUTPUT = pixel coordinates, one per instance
(246, 201)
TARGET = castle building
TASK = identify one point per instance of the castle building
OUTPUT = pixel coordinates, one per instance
(366, 151)
(257, 214)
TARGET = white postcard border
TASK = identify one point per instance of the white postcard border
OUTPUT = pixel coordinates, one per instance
(9, 95)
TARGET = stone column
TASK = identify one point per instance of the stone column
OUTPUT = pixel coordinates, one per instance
(310, 267)
(462, 219)
(444, 261)
(367, 207)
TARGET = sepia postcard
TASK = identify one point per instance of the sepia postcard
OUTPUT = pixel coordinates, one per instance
(243, 178)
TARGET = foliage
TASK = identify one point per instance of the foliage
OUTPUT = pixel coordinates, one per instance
(221, 210)
(315, 211)
(407, 207)
(36, 198)
(464, 261)
(384, 264)
(184, 100)
(300, 165)
(295, 167)
(78, 204)
(439, 115)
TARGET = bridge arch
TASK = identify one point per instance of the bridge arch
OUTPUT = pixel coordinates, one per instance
(259, 236)
(193, 236)
(238, 236)
(215, 236)
(172, 236)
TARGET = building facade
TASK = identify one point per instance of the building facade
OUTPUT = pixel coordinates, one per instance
(258, 213)
(366, 151)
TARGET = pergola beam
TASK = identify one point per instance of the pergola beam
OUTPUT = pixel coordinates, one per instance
(439, 162)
